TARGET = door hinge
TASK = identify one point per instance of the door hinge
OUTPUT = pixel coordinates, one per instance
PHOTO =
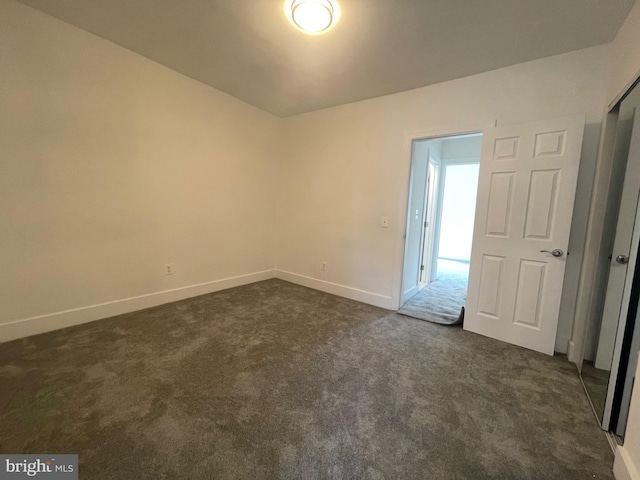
(421, 268)
(426, 224)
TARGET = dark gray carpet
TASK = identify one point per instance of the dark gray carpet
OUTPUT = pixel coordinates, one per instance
(276, 381)
(441, 300)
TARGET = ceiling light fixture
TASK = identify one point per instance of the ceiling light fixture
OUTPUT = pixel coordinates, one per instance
(313, 16)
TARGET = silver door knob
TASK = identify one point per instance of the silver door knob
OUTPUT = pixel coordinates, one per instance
(555, 252)
(622, 259)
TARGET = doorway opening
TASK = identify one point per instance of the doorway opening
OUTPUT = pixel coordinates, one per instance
(440, 217)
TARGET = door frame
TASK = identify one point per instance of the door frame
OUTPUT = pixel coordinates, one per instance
(414, 236)
(403, 203)
(431, 215)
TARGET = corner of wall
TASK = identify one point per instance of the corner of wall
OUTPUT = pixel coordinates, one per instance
(69, 318)
(623, 466)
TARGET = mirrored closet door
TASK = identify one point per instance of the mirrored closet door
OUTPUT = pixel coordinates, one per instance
(612, 338)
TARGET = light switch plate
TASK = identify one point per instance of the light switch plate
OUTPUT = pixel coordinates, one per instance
(384, 222)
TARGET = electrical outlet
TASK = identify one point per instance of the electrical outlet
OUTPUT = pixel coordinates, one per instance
(168, 269)
(323, 266)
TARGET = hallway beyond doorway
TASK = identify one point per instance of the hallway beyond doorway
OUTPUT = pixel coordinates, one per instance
(442, 300)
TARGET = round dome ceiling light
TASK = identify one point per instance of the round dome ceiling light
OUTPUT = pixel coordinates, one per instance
(313, 16)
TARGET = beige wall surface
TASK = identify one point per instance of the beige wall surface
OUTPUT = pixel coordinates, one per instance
(624, 64)
(345, 167)
(112, 166)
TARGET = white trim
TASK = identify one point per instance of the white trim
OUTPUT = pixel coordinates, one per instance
(363, 296)
(53, 321)
(624, 91)
(450, 131)
(403, 201)
(623, 467)
(562, 344)
(611, 438)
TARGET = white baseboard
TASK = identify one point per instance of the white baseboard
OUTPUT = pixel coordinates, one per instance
(337, 289)
(68, 318)
(623, 466)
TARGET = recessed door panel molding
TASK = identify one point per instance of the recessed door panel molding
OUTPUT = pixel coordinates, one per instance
(541, 204)
(526, 191)
(507, 148)
(500, 200)
(490, 286)
(550, 144)
(531, 278)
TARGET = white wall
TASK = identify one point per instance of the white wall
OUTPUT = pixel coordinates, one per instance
(624, 55)
(344, 167)
(112, 166)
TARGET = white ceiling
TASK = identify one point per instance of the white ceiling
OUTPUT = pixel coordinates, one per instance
(249, 49)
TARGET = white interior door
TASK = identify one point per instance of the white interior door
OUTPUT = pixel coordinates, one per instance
(431, 255)
(526, 190)
(429, 237)
(415, 221)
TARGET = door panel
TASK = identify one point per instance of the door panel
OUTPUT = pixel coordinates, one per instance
(499, 209)
(428, 236)
(541, 206)
(530, 288)
(527, 185)
(490, 285)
